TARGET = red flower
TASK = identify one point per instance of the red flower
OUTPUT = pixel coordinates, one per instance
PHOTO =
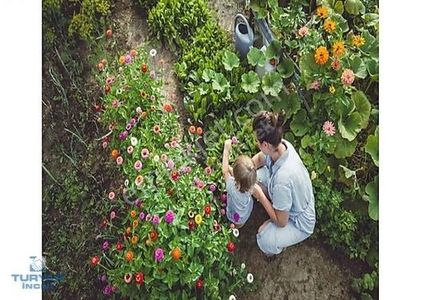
(175, 175)
(199, 284)
(191, 224)
(153, 235)
(231, 247)
(95, 261)
(140, 278)
(119, 246)
(208, 209)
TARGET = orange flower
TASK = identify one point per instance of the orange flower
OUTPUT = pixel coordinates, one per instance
(321, 56)
(358, 41)
(122, 60)
(176, 253)
(168, 107)
(338, 49)
(329, 25)
(143, 115)
(129, 255)
(156, 129)
(135, 223)
(199, 130)
(135, 239)
(192, 129)
(322, 12)
(153, 235)
(133, 53)
(128, 230)
(100, 66)
(144, 68)
(115, 153)
(103, 61)
(133, 214)
(107, 88)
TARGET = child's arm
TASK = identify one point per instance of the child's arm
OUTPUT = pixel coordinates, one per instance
(225, 159)
(260, 196)
(259, 160)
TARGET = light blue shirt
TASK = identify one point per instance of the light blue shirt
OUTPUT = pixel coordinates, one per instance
(237, 202)
(290, 188)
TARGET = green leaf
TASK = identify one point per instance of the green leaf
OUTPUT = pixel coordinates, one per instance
(341, 21)
(348, 176)
(354, 7)
(372, 68)
(208, 74)
(308, 67)
(230, 60)
(273, 50)
(372, 146)
(300, 123)
(272, 83)
(306, 141)
(350, 126)
(256, 57)
(362, 106)
(250, 82)
(286, 68)
(219, 82)
(339, 7)
(371, 44)
(289, 103)
(344, 148)
(358, 67)
(372, 191)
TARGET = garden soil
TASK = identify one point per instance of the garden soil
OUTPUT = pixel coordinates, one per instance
(309, 270)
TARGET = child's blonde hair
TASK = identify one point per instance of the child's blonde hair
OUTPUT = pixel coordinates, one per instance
(244, 173)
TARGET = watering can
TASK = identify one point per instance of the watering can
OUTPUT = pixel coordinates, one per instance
(243, 35)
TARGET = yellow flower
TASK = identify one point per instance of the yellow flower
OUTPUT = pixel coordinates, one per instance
(313, 175)
(321, 56)
(329, 25)
(135, 239)
(198, 219)
(322, 12)
(332, 89)
(338, 49)
(358, 41)
(121, 60)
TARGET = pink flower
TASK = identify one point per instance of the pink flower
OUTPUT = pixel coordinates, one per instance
(167, 145)
(105, 246)
(159, 255)
(145, 153)
(130, 149)
(170, 164)
(303, 31)
(234, 140)
(222, 211)
(347, 77)
(208, 170)
(212, 188)
(109, 80)
(223, 197)
(138, 165)
(155, 220)
(188, 169)
(174, 144)
(236, 217)
(315, 85)
(336, 65)
(112, 215)
(169, 216)
(164, 157)
(111, 195)
(128, 59)
(148, 217)
(115, 103)
(119, 160)
(104, 145)
(156, 129)
(329, 128)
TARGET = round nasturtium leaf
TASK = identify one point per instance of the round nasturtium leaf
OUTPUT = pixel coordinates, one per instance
(230, 60)
(344, 148)
(255, 57)
(372, 146)
(362, 106)
(286, 68)
(250, 82)
(350, 126)
(300, 123)
(372, 191)
(272, 83)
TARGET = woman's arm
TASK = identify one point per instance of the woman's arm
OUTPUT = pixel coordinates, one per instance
(225, 159)
(280, 218)
(259, 160)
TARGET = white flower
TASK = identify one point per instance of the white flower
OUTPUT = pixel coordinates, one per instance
(234, 272)
(250, 278)
(156, 158)
(133, 140)
(126, 182)
(138, 110)
(152, 52)
(313, 175)
(243, 266)
(235, 232)
(232, 297)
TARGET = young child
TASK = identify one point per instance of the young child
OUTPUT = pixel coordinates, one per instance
(241, 184)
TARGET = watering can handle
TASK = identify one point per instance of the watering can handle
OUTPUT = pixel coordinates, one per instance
(245, 22)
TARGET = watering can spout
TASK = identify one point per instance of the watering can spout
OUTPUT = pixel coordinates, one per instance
(243, 35)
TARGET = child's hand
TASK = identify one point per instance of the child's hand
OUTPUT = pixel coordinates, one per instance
(227, 145)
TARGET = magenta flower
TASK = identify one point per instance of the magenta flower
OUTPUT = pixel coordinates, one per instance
(155, 220)
(212, 188)
(347, 77)
(329, 128)
(236, 217)
(123, 135)
(188, 169)
(104, 145)
(128, 59)
(142, 216)
(315, 85)
(169, 216)
(170, 164)
(138, 202)
(145, 153)
(223, 197)
(159, 254)
(108, 290)
(208, 170)
(133, 121)
(174, 144)
(138, 165)
(112, 215)
(222, 211)
(104, 278)
(105, 246)
(128, 127)
(303, 31)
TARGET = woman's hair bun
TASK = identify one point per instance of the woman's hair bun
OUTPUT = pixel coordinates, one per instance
(280, 118)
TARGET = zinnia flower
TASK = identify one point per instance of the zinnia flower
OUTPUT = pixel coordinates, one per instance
(231, 247)
(139, 278)
(315, 85)
(138, 165)
(133, 53)
(159, 255)
(358, 41)
(332, 89)
(121, 60)
(119, 160)
(170, 164)
(164, 157)
(119, 246)
(322, 12)
(133, 141)
(212, 188)
(148, 217)
(338, 49)
(155, 220)
(129, 255)
(234, 140)
(208, 209)
(321, 55)
(110, 80)
(336, 65)
(250, 278)
(130, 149)
(128, 127)
(145, 153)
(303, 31)
(198, 219)
(128, 59)
(152, 52)
(95, 261)
(111, 195)
(208, 170)
(127, 278)
(156, 129)
(329, 25)
(139, 180)
(115, 103)
(142, 215)
(243, 266)
(174, 144)
(108, 290)
(329, 128)
(169, 216)
(235, 232)
(347, 77)
(112, 215)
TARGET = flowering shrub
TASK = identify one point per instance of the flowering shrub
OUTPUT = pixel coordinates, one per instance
(164, 234)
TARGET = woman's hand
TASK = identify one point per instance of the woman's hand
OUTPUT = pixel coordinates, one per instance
(228, 145)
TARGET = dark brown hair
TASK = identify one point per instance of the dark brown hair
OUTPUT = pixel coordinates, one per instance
(268, 127)
(244, 173)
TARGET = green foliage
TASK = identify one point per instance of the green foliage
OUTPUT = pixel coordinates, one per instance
(372, 196)
(372, 146)
(147, 4)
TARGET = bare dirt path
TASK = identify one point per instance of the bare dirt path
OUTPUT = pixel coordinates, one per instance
(309, 270)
